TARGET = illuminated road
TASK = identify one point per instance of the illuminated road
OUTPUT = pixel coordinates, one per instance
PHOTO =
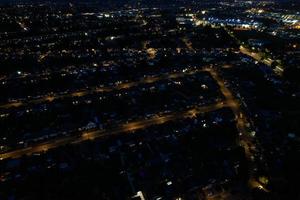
(246, 140)
(258, 56)
(85, 92)
(122, 129)
(232, 102)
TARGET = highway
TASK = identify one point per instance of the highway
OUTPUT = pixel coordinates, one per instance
(121, 129)
(144, 80)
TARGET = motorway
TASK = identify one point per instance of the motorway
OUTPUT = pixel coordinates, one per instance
(127, 85)
(121, 129)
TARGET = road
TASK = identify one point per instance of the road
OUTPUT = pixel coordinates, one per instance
(279, 69)
(231, 101)
(258, 57)
(85, 92)
(245, 140)
(121, 129)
